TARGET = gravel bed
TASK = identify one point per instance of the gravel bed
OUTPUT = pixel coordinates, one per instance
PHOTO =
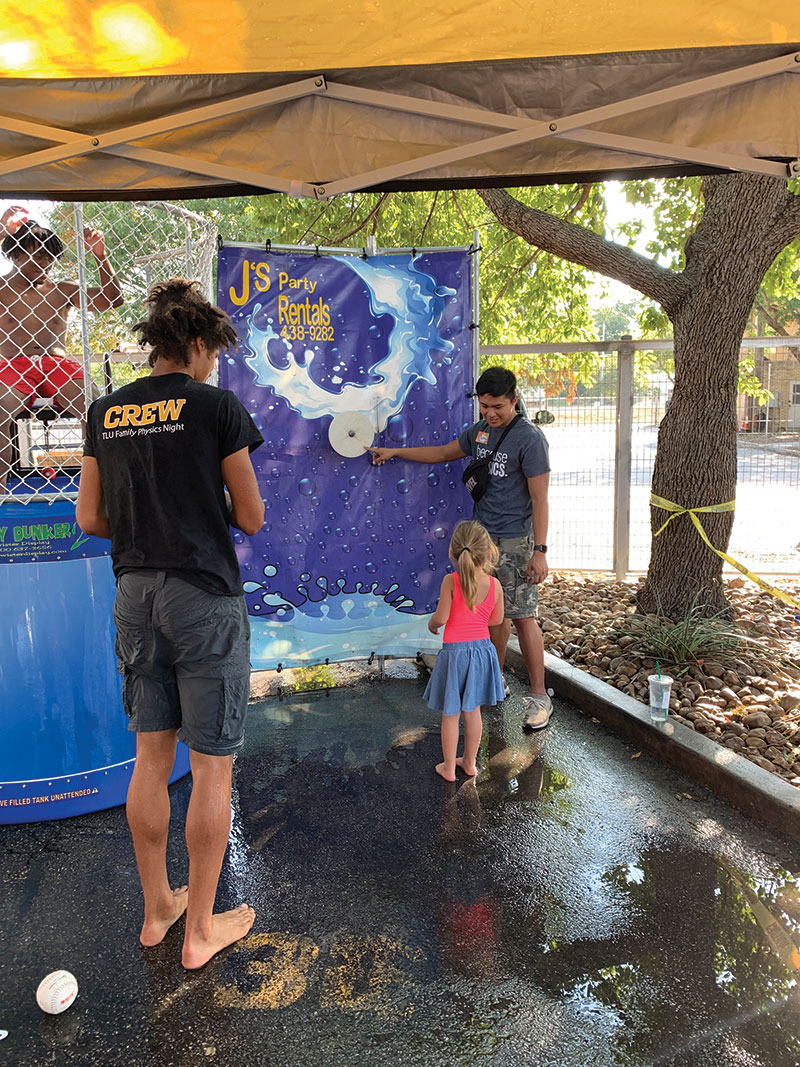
(747, 700)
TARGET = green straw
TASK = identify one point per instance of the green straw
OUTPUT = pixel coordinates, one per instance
(658, 668)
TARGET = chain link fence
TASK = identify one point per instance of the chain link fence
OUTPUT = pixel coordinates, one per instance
(74, 282)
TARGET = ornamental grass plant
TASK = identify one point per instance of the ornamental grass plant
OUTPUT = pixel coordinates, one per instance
(694, 638)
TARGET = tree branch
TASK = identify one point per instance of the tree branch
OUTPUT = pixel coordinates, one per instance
(511, 276)
(365, 221)
(314, 222)
(430, 216)
(585, 189)
(457, 205)
(579, 245)
(761, 306)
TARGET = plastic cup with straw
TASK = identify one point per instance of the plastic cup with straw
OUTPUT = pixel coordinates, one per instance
(660, 692)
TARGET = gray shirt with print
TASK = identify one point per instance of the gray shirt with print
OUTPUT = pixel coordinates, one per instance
(505, 507)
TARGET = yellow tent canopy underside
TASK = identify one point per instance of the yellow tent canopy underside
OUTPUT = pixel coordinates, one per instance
(78, 39)
(144, 98)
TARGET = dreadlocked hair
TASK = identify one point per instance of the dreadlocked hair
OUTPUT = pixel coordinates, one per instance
(472, 547)
(177, 314)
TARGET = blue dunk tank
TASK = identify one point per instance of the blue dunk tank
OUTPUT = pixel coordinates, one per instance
(340, 352)
(64, 744)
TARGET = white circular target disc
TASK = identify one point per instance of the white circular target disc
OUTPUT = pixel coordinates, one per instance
(351, 433)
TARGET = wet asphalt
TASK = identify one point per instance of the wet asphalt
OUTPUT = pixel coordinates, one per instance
(577, 904)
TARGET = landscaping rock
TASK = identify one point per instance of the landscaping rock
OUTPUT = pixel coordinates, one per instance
(774, 737)
(760, 761)
(751, 706)
(735, 743)
(713, 669)
(755, 742)
(757, 718)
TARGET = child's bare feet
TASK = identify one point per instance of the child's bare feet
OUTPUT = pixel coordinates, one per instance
(226, 927)
(441, 769)
(468, 768)
(154, 928)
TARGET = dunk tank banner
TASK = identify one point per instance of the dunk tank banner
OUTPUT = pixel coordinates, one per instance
(339, 353)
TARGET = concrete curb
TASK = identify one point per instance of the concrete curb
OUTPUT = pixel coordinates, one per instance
(758, 793)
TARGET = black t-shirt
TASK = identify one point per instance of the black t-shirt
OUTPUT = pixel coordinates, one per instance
(159, 443)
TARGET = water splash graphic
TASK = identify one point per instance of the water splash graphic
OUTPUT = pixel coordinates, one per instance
(412, 299)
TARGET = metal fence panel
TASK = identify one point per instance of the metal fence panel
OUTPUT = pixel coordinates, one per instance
(766, 532)
(581, 440)
(58, 329)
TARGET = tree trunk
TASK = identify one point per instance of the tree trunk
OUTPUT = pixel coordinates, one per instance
(695, 464)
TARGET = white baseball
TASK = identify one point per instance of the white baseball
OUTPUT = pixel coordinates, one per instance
(56, 992)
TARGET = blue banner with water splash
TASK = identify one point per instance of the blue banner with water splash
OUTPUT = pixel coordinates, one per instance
(351, 556)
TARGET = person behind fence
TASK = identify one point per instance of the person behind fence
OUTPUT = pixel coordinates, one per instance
(467, 672)
(158, 456)
(33, 322)
(512, 505)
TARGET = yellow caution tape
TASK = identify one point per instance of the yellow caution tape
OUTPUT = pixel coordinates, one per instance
(676, 509)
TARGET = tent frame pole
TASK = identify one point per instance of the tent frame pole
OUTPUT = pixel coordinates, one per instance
(476, 316)
(72, 144)
(521, 131)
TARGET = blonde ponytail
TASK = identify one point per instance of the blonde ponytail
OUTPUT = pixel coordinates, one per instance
(472, 547)
(466, 576)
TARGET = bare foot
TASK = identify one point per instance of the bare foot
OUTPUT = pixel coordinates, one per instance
(226, 927)
(441, 769)
(468, 768)
(154, 929)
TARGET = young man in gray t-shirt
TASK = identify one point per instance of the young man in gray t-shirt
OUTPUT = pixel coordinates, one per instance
(514, 511)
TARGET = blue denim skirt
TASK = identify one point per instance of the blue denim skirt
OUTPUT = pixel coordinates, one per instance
(467, 674)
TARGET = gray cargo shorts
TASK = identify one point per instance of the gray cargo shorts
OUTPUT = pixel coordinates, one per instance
(185, 657)
(520, 594)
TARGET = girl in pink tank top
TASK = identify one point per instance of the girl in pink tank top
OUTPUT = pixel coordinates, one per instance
(467, 672)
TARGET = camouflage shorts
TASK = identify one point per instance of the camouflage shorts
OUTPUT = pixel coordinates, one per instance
(520, 594)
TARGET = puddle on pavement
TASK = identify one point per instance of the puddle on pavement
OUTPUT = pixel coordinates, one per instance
(461, 872)
(564, 907)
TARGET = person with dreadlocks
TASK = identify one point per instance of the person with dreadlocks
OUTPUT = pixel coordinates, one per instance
(158, 457)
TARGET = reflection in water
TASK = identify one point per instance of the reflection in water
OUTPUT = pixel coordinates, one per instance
(624, 874)
(787, 897)
(402, 920)
(606, 994)
(735, 951)
(470, 913)
(646, 940)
